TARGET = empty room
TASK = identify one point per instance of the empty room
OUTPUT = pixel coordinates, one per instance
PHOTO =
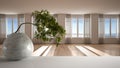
(59, 34)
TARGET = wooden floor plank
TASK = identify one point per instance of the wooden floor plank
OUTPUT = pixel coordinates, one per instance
(62, 50)
(75, 51)
(85, 51)
(98, 52)
(52, 51)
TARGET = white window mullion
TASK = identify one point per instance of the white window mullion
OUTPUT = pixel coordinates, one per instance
(118, 26)
(84, 28)
(78, 26)
(110, 28)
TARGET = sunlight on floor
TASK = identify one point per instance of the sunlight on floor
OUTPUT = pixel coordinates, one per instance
(46, 52)
(85, 50)
(96, 51)
(39, 51)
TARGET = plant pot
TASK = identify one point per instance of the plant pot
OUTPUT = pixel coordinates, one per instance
(17, 46)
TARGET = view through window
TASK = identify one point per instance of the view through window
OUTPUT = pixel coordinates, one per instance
(12, 24)
(111, 28)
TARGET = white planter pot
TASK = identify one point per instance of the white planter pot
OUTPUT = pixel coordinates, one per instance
(17, 46)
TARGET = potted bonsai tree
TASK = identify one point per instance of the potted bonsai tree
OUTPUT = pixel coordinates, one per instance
(18, 45)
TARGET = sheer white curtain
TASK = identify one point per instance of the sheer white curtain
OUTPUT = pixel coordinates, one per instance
(2, 27)
(11, 24)
(101, 28)
(68, 27)
(21, 20)
(28, 27)
(119, 28)
(87, 28)
(74, 25)
(33, 27)
(109, 28)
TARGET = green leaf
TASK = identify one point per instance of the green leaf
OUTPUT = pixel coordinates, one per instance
(44, 20)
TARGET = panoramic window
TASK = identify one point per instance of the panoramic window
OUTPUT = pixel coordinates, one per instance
(81, 27)
(107, 27)
(12, 24)
(114, 27)
(110, 28)
(77, 27)
(74, 27)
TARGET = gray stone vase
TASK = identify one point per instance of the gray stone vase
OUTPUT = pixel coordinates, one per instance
(17, 46)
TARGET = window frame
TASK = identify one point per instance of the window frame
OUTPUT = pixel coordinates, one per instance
(110, 27)
(78, 17)
(12, 17)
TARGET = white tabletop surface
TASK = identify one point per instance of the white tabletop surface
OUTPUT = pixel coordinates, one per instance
(62, 62)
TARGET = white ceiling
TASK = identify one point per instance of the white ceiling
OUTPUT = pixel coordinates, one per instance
(60, 6)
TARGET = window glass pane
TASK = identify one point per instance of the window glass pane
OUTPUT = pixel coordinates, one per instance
(9, 26)
(74, 27)
(107, 27)
(113, 27)
(87, 28)
(81, 27)
(15, 24)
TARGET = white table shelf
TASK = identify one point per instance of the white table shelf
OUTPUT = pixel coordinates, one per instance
(62, 62)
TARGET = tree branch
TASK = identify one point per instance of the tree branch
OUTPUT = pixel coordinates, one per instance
(21, 25)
